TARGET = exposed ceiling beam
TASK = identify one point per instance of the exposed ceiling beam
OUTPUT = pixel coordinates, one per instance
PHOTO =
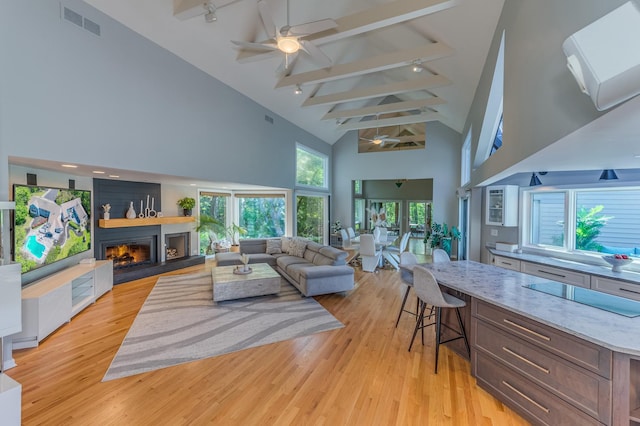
(395, 121)
(187, 9)
(373, 64)
(367, 20)
(384, 108)
(421, 83)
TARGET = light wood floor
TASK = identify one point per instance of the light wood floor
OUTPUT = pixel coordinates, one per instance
(361, 374)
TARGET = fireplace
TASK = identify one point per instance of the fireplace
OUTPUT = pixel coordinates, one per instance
(176, 245)
(130, 253)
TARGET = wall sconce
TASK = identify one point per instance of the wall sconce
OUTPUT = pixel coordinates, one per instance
(608, 174)
(535, 181)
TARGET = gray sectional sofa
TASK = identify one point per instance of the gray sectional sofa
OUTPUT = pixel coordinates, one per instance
(320, 270)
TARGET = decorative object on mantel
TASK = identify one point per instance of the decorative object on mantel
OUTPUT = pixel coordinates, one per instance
(131, 213)
(149, 211)
(187, 204)
(107, 208)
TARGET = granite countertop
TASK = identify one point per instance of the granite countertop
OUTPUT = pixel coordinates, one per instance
(601, 271)
(504, 288)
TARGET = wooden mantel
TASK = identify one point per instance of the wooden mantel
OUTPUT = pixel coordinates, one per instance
(144, 221)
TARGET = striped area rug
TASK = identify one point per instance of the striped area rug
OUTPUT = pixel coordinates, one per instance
(179, 323)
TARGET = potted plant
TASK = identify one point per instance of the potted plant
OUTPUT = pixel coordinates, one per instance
(213, 227)
(233, 233)
(187, 204)
(441, 236)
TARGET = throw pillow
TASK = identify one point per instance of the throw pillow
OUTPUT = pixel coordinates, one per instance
(297, 247)
(274, 246)
(285, 244)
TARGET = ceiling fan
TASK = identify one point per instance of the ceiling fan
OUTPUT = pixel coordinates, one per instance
(379, 139)
(289, 39)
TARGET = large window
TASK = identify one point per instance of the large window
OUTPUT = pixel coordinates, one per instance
(212, 205)
(311, 168)
(585, 220)
(311, 214)
(358, 213)
(262, 215)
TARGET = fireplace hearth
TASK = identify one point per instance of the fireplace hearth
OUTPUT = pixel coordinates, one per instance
(127, 254)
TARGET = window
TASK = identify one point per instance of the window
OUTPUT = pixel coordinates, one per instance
(357, 187)
(497, 139)
(596, 221)
(465, 160)
(311, 168)
(214, 205)
(311, 217)
(262, 215)
(358, 210)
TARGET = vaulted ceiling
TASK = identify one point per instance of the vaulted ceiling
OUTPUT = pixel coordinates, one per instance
(373, 50)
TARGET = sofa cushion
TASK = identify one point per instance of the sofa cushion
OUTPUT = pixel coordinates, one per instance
(297, 247)
(262, 258)
(331, 256)
(285, 244)
(296, 270)
(285, 261)
(253, 245)
(274, 246)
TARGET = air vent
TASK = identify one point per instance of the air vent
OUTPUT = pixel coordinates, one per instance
(91, 26)
(268, 119)
(73, 17)
(79, 20)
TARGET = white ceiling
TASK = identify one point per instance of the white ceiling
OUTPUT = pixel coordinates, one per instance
(456, 33)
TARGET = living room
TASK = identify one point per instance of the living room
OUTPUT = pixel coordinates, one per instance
(123, 104)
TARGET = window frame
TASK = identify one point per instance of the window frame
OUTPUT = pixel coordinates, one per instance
(325, 165)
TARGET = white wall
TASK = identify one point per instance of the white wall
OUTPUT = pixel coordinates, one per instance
(440, 161)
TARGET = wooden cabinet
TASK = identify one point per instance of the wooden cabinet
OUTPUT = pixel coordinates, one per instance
(557, 274)
(616, 287)
(501, 205)
(507, 263)
(549, 376)
(51, 302)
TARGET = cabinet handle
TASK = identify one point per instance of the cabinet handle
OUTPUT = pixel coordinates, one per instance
(551, 273)
(528, 361)
(542, 336)
(528, 398)
(629, 291)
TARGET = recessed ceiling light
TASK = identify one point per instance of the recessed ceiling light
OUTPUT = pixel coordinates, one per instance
(70, 166)
(192, 184)
(114, 176)
(98, 172)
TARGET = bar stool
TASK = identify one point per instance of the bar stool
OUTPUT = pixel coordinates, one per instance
(406, 259)
(429, 293)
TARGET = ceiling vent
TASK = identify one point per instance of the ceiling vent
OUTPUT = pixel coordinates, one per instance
(604, 57)
(82, 22)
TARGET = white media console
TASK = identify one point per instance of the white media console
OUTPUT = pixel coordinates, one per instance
(51, 302)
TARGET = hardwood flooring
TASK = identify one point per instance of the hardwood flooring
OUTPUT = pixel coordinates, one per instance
(361, 374)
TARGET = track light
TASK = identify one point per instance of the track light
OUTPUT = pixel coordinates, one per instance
(535, 181)
(210, 16)
(608, 174)
(417, 66)
(298, 90)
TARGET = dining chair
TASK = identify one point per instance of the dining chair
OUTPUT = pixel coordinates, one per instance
(439, 255)
(429, 293)
(376, 234)
(352, 235)
(406, 258)
(369, 255)
(348, 245)
(392, 253)
(383, 235)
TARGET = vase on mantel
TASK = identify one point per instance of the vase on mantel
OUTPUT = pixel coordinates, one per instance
(131, 213)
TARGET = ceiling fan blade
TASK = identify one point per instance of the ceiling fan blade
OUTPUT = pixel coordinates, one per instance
(381, 136)
(255, 46)
(309, 28)
(317, 55)
(267, 19)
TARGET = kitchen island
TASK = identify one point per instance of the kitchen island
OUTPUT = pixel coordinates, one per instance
(553, 360)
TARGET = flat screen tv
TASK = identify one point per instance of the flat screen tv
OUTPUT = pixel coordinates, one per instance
(50, 224)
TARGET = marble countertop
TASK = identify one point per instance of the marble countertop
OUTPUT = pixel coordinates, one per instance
(504, 288)
(602, 271)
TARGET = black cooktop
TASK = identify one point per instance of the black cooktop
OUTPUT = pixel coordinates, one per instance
(597, 299)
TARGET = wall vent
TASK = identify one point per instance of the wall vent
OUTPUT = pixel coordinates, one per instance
(77, 19)
(268, 119)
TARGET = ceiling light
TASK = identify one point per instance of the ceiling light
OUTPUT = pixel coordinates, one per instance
(298, 90)
(417, 66)
(608, 174)
(114, 176)
(288, 44)
(192, 184)
(70, 166)
(98, 172)
(535, 181)
(210, 16)
(377, 141)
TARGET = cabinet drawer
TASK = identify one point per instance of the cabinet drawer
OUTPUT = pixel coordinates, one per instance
(557, 274)
(507, 263)
(585, 354)
(619, 288)
(529, 399)
(583, 389)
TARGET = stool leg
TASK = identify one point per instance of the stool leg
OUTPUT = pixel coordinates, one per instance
(438, 317)
(404, 300)
(418, 322)
(464, 333)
